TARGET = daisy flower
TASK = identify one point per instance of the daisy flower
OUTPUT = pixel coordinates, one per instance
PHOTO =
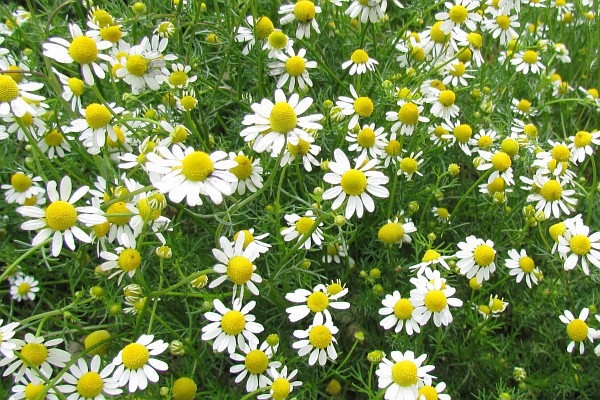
(179, 77)
(357, 184)
(356, 107)
(123, 261)
(441, 214)
(410, 165)
(83, 49)
(306, 151)
(97, 123)
(407, 117)
(501, 164)
(236, 263)
(272, 124)
(335, 252)
(523, 266)
(578, 330)
(432, 296)
(165, 29)
(251, 237)
(59, 218)
(135, 364)
(461, 134)
(39, 353)
(368, 141)
(476, 258)
(300, 226)
(28, 123)
(263, 27)
(552, 197)
(396, 232)
(484, 139)
(581, 145)
(456, 74)
(318, 301)
(403, 375)
(55, 144)
(304, 12)
(188, 173)
(527, 61)
(359, 63)
(248, 173)
(318, 340)
(73, 89)
(278, 42)
(24, 288)
(442, 103)
(578, 246)
(22, 187)
(439, 45)
(367, 10)
(31, 386)
(231, 328)
(430, 258)
(459, 13)
(399, 313)
(89, 382)
(430, 392)
(391, 151)
(282, 386)
(502, 25)
(187, 101)
(7, 343)
(293, 67)
(253, 364)
(474, 41)
(16, 99)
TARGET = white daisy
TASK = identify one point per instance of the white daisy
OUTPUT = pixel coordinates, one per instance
(396, 231)
(407, 117)
(304, 150)
(304, 12)
(356, 107)
(502, 25)
(459, 13)
(456, 74)
(476, 258)
(367, 10)
(97, 123)
(552, 196)
(179, 76)
(253, 363)
(55, 144)
(578, 330)
(15, 98)
(501, 164)
(123, 261)
(31, 386)
(578, 246)
(318, 340)
(526, 61)
(432, 296)
(443, 103)
(73, 89)
(430, 258)
(89, 383)
(300, 226)
(581, 145)
(135, 364)
(409, 165)
(248, 172)
(263, 26)
(356, 183)
(318, 302)
(368, 141)
(59, 218)
(22, 187)
(403, 375)
(282, 386)
(24, 288)
(251, 237)
(523, 266)
(359, 63)
(293, 67)
(278, 42)
(399, 313)
(231, 328)
(7, 343)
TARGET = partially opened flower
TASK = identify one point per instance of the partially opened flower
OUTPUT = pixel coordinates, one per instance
(399, 313)
(304, 13)
(403, 375)
(253, 363)
(292, 67)
(318, 340)
(85, 382)
(318, 302)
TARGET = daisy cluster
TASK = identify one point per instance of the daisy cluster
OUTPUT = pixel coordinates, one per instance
(273, 186)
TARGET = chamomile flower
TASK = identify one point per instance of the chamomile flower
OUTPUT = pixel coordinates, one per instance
(335, 253)
(552, 196)
(304, 13)
(7, 343)
(304, 150)
(484, 139)
(391, 151)
(73, 89)
(136, 363)
(459, 13)
(476, 258)
(24, 287)
(188, 173)
(428, 392)
(430, 258)
(123, 261)
(31, 386)
(293, 67)
(278, 42)
(526, 61)
(248, 173)
(443, 103)
(22, 187)
(318, 302)
(179, 76)
(231, 328)
(438, 44)
(502, 25)
(97, 123)
(274, 123)
(578, 330)
(474, 41)
(500, 162)
(253, 363)
(300, 226)
(251, 237)
(461, 134)
(399, 313)
(409, 165)
(407, 117)
(456, 74)
(368, 141)
(578, 246)
(359, 63)
(318, 340)
(355, 107)
(356, 184)
(236, 263)
(403, 375)
(60, 217)
(187, 101)
(432, 296)
(85, 382)
(522, 266)
(442, 214)
(165, 29)
(38, 352)
(367, 10)
(16, 99)
(54, 144)
(581, 145)
(396, 232)
(263, 27)
(282, 386)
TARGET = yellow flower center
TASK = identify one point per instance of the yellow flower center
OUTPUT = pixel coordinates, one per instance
(443, 213)
(366, 138)
(530, 57)
(9, 90)
(485, 309)
(391, 232)
(96, 337)
(475, 40)
(119, 208)
(417, 53)
(299, 150)
(392, 148)
(334, 289)
(97, 116)
(458, 69)
(496, 186)
(447, 98)
(580, 244)
(458, 14)
(510, 146)
(319, 336)
(430, 255)
(354, 182)
(435, 300)
(561, 153)
(526, 264)
(560, 3)
(111, 33)
(20, 182)
(283, 118)
(278, 40)
(409, 114)
(577, 330)
(497, 305)
(137, 65)
(582, 139)
(551, 190)
(462, 133)
(557, 230)
(239, 269)
(363, 106)
(90, 385)
(403, 309)
(103, 19)
(135, 356)
(484, 255)
(178, 78)
(304, 224)
(233, 322)
(60, 215)
(404, 373)
(594, 93)
(35, 353)
(16, 76)
(188, 102)
(76, 85)
(102, 229)
(33, 392)
(23, 289)
(317, 302)
(359, 57)
(524, 105)
(409, 165)
(428, 393)
(197, 166)
(304, 11)
(295, 66)
(484, 142)
(503, 21)
(26, 119)
(184, 389)
(437, 35)
(501, 161)
(264, 27)
(530, 130)
(281, 388)
(248, 238)
(243, 170)
(129, 259)
(83, 50)
(256, 362)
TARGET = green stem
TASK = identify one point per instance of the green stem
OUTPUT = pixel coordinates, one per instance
(473, 186)
(14, 265)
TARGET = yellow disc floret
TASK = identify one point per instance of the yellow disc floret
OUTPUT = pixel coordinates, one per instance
(35, 353)
(97, 116)
(304, 11)
(9, 90)
(256, 362)
(90, 385)
(83, 50)
(299, 150)
(530, 57)
(137, 65)
(197, 166)
(359, 57)
(233, 322)
(320, 336)
(283, 118)
(281, 388)
(501, 161)
(91, 342)
(404, 373)
(408, 114)
(354, 182)
(264, 27)
(304, 224)
(403, 309)
(526, 264)
(135, 356)
(317, 302)
(243, 169)
(484, 255)
(366, 138)
(178, 78)
(363, 106)
(184, 389)
(239, 269)
(458, 14)
(20, 182)
(435, 300)
(577, 330)
(463, 133)
(295, 66)
(60, 215)
(580, 244)
(129, 260)
(551, 190)
(447, 98)
(119, 208)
